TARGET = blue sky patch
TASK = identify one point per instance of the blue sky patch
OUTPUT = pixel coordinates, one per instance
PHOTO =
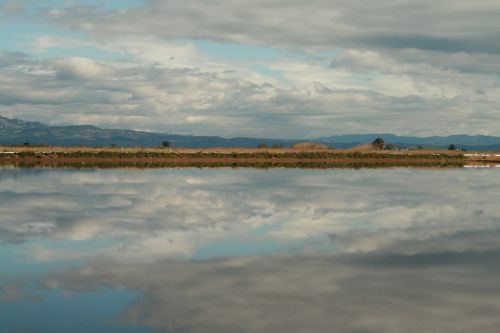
(79, 313)
(264, 70)
(234, 51)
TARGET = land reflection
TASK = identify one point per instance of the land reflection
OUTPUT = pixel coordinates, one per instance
(255, 251)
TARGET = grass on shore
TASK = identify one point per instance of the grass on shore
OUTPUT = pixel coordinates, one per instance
(224, 157)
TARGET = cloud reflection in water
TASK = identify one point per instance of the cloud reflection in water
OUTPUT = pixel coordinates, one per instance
(292, 250)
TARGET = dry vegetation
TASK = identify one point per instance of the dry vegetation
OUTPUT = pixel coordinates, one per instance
(309, 146)
(303, 155)
(305, 147)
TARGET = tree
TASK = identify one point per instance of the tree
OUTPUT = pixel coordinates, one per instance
(452, 147)
(165, 144)
(378, 143)
(262, 145)
(277, 145)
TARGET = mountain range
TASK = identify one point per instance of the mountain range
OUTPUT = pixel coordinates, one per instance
(18, 132)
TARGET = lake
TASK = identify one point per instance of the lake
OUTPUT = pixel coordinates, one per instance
(248, 250)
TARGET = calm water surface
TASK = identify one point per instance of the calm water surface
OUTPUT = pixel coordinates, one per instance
(388, 250)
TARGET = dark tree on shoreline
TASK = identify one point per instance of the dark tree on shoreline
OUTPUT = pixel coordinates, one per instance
(378, 143)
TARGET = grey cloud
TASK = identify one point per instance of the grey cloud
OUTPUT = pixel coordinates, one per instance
(417, 62)
(394, 66)
(81, 69)
(451, 26)
(442, 33)
(430, 43)
(304, 293)
(360, 211)
(415, 250)
(184, 101)
(8, 59)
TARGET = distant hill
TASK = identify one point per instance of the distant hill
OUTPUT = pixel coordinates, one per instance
(14, 131)
(18, 132)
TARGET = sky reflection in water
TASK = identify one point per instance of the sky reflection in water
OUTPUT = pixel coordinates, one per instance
(225, 250)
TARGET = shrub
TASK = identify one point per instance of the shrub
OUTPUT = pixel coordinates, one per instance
(390, 146)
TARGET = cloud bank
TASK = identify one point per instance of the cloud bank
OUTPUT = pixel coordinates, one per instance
(266, 68)
(179, 213)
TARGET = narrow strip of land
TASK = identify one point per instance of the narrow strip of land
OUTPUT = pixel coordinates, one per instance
(236, 157)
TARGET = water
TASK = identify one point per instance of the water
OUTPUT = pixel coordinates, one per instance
(222, 250)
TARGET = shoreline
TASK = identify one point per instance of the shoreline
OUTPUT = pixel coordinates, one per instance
(109, 157)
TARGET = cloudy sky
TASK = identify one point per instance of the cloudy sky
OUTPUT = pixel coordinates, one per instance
(274, 68)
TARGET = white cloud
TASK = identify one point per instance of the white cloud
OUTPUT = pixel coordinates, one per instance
(184, 211)
(357, 67)
(80, 69)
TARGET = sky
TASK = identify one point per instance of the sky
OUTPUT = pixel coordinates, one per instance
(274, 68)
